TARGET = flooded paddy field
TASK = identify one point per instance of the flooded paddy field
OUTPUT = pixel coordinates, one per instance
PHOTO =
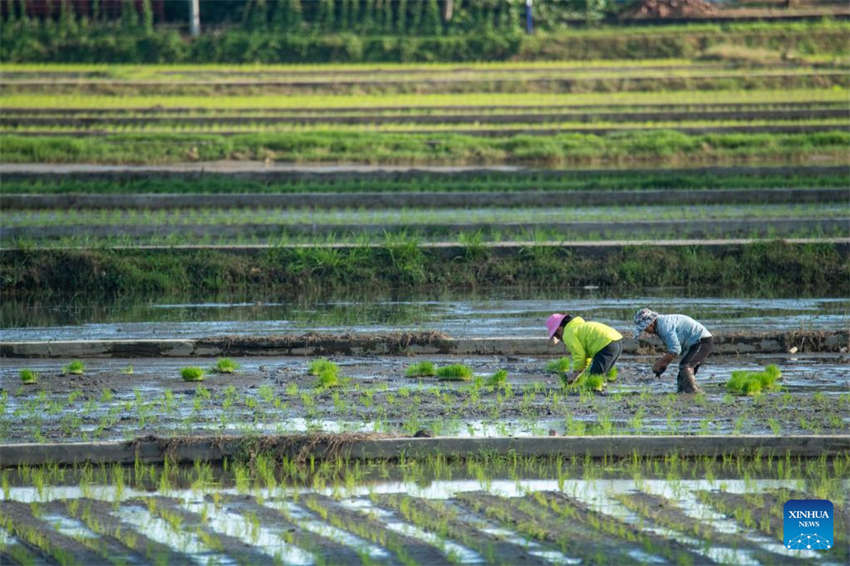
(121, 398)
(494, 315)
(118, 399)
(495, 510)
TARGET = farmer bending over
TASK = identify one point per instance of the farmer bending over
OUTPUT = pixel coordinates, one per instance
(680, 333)
(586, 340)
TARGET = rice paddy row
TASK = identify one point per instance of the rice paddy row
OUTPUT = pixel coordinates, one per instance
(655, 147)
(121, 398)
(44, 186)
(458, 82)
(168, 72)
(469, 231)
(530, 511)
(50, 103)
(415, 112)
(417, 216)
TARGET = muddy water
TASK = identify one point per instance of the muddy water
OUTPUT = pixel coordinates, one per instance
(465, 317)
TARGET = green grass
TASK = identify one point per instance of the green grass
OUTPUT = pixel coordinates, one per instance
(665, 147)
(28, 376)
(762, 269)
(421, 369)
(454, 372)
(627, 179)
(745, 382)
(421, 218)
(192, 374)
(327, 101)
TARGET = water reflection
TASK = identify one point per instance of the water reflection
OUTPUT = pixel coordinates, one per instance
(508, 314)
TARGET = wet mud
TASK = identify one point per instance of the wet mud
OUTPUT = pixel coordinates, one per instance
(279, 396)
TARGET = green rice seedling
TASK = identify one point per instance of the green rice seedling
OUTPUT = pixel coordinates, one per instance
(422, 369)
(127, 370)
(192, 374)
(28, 376)
(498, 378)
(559, 366)
(745, 382)
(328, 379)
(326, 371)
(225, 365)
(612, 374)
(454, 372)
(76, 367)
(318, 366)
(587, 382)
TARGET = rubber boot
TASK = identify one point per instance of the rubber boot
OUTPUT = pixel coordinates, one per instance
(686, 381)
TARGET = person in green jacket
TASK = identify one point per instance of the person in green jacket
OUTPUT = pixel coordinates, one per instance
(586, 340)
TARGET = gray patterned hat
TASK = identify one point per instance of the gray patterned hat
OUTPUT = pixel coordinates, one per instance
(644, 318)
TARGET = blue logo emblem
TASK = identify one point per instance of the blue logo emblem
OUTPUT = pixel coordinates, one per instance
(808, 524)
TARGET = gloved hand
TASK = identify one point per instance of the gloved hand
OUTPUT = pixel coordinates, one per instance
(659, 367)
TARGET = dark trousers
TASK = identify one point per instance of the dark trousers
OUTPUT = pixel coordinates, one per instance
(696, 354)
(605, 358)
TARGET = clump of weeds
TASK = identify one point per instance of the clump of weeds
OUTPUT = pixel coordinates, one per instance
(745, 382)
(422, 369)
(225, 365)
(28, 376)
(498, 379)
(76, 367)
(326, 371)
(192, 374)
(454, 372)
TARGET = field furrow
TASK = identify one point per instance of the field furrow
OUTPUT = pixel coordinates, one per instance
(446, 520)
(404, 546)
(573, 539)
(39, 536)
(279, 518)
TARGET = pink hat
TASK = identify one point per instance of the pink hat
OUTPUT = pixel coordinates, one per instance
(553, 322)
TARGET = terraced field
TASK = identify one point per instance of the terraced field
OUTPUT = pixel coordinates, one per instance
(155, 217)
(666, 111)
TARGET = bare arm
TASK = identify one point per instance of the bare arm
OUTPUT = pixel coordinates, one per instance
(661, 364)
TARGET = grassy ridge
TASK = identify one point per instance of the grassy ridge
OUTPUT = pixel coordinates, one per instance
(327, 101)
(209, 183)
(659, 147)
(770, 269)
